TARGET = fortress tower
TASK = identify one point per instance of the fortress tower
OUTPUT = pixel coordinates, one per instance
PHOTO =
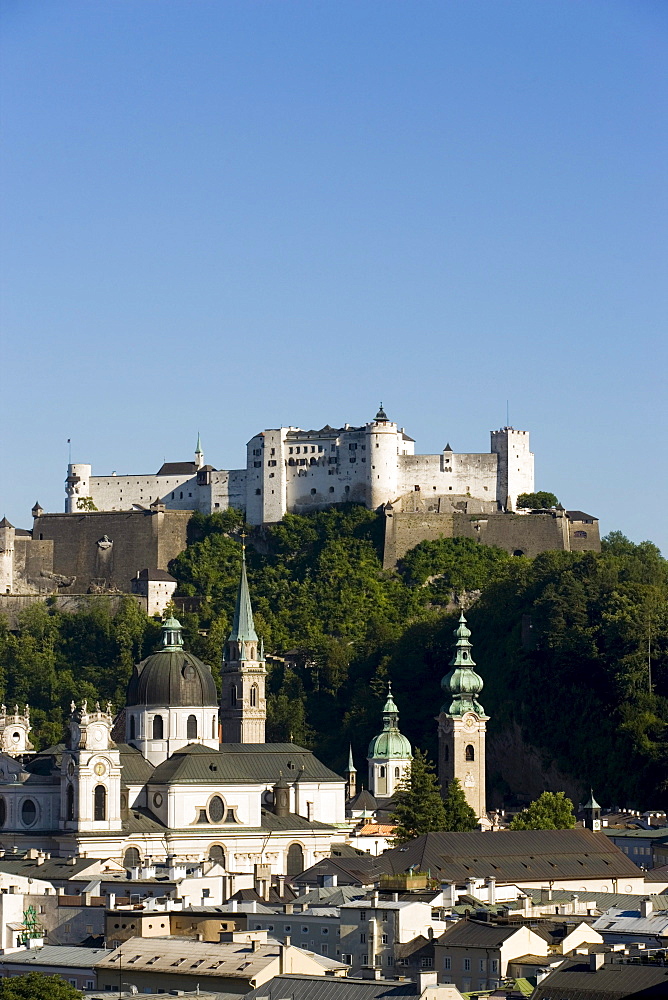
(382, 450)
(7, 536)
(462, 724)
(516, 465)
(243, 709)
(77, 485)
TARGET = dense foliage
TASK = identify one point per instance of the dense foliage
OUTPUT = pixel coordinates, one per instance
(550, 811)
(565, 643)
(418, 804)
(459, 816)
(542, 500)
(35, 986)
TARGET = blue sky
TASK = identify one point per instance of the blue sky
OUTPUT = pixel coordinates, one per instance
(227, 216)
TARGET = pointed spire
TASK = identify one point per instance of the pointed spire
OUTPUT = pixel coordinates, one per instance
(243, 627)
(592, 803)
(351, 762)
(198, 449)
(381, 415)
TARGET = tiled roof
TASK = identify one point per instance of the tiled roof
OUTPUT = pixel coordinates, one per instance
(177, 469)
(511, 856)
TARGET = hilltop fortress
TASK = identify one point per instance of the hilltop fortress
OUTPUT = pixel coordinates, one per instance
(119, 533)
(289, 470)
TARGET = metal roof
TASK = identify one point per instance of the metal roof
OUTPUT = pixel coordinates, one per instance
(241, 763)
(478, 934)
(172, 677)
(328, 988)
(575, 981)
(515, 856)
(177, 469)
(56, 956)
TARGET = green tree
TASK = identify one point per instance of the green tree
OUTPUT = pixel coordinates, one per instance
(550, 811)
(35, 986)
(86, 503)
(459, 816)
(418, 804)
(536, 501)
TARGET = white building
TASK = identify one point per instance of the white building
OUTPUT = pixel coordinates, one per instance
(292, 470)
(171, 788)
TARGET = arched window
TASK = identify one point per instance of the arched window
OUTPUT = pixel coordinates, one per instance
(216, 853)
(213, 727)
(100, 803)
(295, 859)
(381, 771)
(191, 727)
(253, 696)
(133, 728)
(158, 727)
(470, 752)
(28, 812)
(446, 753)
(397, 772)
(518, 552)
(131, 858)
(233, 695)
(69, 803)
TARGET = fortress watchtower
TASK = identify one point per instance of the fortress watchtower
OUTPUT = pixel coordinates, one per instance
(516, 465)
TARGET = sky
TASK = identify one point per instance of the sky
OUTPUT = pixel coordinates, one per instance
(227, 215)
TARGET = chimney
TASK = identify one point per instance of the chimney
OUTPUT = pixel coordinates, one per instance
(490, 884)
(646, 907)
(234, 905)
(71, 860)
(287, 941)
(470, 886)
(449, 893)
(111, 900)
(425, 980)
(288, 908)
(280, 885)
(596, 961)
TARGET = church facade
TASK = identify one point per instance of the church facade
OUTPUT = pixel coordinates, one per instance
(171, 785)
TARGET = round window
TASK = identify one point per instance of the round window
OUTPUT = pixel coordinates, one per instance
(28, 812)
(189, 672)
(70, 767)
(157, 799)
(216, 809)
(16, 737)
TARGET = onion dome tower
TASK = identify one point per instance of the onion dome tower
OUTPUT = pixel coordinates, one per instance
(389, 754)
(243, 709)
(171, 700)
(462, 725)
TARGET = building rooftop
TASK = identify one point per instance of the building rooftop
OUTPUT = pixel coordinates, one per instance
(511, 856)
(56, 956)
(326, 988)
(478, 934)
(614, 981)
(241, 763)
(177, 469)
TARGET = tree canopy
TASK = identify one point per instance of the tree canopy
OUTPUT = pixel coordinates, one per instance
(418, 805)
(35, 986)
(459, 816)
(536, 501)
(550, 811)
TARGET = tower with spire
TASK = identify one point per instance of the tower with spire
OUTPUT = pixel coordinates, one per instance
(199, 454)
(243, 709)
(462, 725)
(389, 754)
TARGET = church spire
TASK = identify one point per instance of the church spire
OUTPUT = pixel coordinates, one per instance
(462, 684)
(199, 454)
(243, 627)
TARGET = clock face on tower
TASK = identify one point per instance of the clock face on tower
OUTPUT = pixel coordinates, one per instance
(99, 769)
(470, 721)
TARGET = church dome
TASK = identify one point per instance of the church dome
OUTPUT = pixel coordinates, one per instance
(172, 677)
(390, 743)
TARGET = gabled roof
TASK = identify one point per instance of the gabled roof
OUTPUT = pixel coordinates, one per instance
(328, 988)
(155, 574)
(364, 800)
(579, 515)
(511, 856)
(361, 870)
(478, 934)
(177, 469)
(614, 981)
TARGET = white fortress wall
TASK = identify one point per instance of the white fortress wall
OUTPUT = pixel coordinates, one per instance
(121, 492)
(462, 475)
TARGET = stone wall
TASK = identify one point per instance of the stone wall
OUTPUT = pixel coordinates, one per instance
(11, 605)
(461, 517)
(104, 550)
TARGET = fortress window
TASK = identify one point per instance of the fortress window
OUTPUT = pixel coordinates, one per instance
(351, 460)
(347, 489)
(352, 447)
(100, 803)
(313, 492)
(331, 488)
(518, 552)
(181, 495)
(470, 752)
(319, 448)
(332, 447)
(172, 496)
(158, 727)
(297, 451)
(191, 728)
(257, 465)
(580, 534)
(290, 451)
(257, 492)
(417, 489)
(216, 505)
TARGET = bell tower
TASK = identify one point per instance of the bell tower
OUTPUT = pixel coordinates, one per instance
(462, 725)
(243, 709)
(592, 813)
(90, 780)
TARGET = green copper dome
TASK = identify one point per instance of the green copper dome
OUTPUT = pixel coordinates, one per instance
(462, 685)
(390, 743)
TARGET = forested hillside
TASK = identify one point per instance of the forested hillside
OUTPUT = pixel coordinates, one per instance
(566, 643)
